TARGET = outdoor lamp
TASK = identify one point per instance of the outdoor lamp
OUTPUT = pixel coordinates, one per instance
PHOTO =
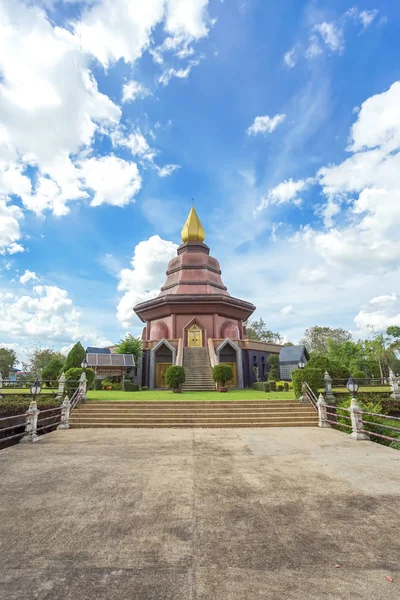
(36, 388)
(352, 386)
(84, 364)
(302, 364)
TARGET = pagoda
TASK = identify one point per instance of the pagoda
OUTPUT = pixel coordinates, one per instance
(194, 319)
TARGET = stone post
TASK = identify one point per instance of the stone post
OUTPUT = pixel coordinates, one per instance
(322, 412)
(304, 395)
(31, 423)
(82, 387)
(61, 387)
(328, 389)
(65, 410)
(394, 385)
(356, 421)
(1, 384)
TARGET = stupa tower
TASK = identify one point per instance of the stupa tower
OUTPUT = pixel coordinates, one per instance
(193, 296)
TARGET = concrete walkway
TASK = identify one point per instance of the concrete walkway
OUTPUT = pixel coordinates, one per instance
(200, 514)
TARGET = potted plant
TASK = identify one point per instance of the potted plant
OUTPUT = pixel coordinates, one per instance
(174, 378)
(221, 374)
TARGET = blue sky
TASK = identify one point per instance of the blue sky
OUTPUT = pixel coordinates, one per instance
(281, 120)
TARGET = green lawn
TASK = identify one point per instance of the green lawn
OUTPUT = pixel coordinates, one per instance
(159, 395)
(363, 388)
(6, 390)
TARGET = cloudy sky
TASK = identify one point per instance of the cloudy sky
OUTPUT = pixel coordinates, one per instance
(281, 120)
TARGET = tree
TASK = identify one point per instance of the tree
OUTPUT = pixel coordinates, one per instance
(8, 359)
(130, 345)
(273, 372)
(316, 338)
(75, 357)
(257, 330)
(53, 369)
(72, 377)
(39, 358)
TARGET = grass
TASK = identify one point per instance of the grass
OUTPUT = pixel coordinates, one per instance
(10, 391)
(363, 388)
(160, 395)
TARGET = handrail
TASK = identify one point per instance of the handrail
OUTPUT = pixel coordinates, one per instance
(311, 396)
(211, 353)
(179, 355)
(76, 396)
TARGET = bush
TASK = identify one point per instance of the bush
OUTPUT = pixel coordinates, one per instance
(129, 386)
(280, 387)
(358, 375)
(261, 386)
(97, 384)
(272, 373)
(273, 360)
(286, 386)
(314, 378)
(267, 386)
(272, 386)
(144, 388)
(175, 377)
(72, 376)
(223, 373)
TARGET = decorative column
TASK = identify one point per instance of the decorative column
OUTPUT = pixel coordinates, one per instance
(356, 421)
(322, 412)
(304, 394)
(65, 411)
(394, 385)
(82, 387)
(61, 387)
(328, 389)
(31, 423)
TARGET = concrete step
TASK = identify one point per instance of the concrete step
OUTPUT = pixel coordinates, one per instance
(220, 425)
(195, 411)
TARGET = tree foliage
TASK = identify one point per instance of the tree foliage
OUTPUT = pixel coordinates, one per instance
(8, 360)
(130, 345)
(39, 358)
(314, 377)
(257, 330)
(75, 357)
(53, 369)
(72, 378)
(316, 338)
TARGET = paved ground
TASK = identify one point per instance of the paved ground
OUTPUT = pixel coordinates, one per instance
(200, 514)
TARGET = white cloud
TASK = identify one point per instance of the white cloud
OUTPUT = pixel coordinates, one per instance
(47, 313)
(171, 72)
(331, 35)
(265, 124)
(167, 170)
(144, 280)
(380, 315)
(133, 90)
(10, 233)
(290, 58)
(28, 276)
(287, 310)
(285, 192)
(367, 16)
(113, 180)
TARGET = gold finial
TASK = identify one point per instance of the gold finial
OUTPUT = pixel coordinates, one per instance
(193, 230)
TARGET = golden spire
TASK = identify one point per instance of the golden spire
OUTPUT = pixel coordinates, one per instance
(193, 230)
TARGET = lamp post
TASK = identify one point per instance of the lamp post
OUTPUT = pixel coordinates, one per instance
(301, 364)
(84, 364)
(352, 386)
(36, 388)
(355, 412)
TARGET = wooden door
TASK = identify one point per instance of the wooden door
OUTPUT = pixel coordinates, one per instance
(160, 374)
(195, 336)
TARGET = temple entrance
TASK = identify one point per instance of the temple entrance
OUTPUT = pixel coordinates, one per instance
(160, 374)
(232, 382)
(195, 336)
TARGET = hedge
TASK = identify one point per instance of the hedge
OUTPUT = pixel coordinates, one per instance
(314, 378)
(18, 405)
(129, 386)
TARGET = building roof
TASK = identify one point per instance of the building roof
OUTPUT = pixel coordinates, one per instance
(293, 354)
(110, 360)
(93, 350)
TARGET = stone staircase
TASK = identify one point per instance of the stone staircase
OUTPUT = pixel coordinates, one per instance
(198, 371)
(244, 413)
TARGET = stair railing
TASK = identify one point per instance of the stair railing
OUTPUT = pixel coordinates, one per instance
(179, 354)
(309, 395)
(211, 353)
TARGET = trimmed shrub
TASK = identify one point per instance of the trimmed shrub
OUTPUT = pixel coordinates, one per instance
(261, 386)
(267, 386)
(358, 375)
(280, 387)
(223, 373)
(272, 386)
(175, 377)
(272, 373)
(97, 384)
(314, 378)
(129, 386)
(286, 386)
(144, 388)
